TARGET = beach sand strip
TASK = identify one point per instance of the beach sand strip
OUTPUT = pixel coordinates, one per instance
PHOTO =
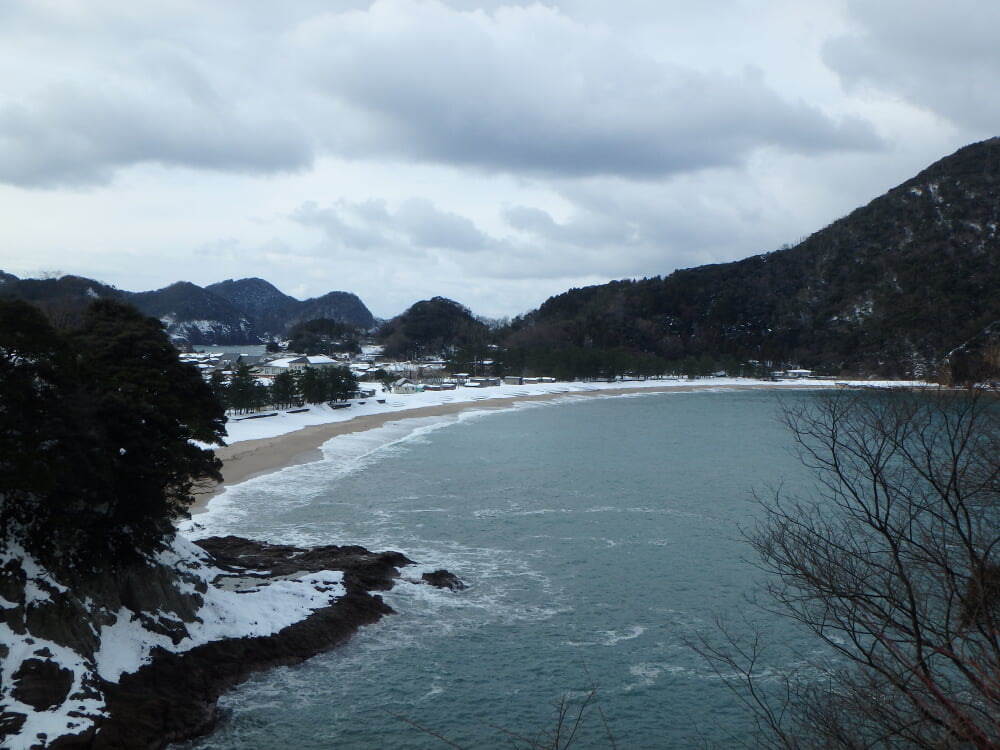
(246, 459)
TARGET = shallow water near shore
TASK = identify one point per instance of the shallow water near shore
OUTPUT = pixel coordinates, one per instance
(599, 537)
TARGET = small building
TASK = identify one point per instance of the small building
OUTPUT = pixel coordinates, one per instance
(481, 382)
(792, 374)
(405, 385)
(293, 364)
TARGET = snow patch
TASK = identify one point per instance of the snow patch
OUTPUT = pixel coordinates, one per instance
(74, 716)
(264, 609)
(126, 644)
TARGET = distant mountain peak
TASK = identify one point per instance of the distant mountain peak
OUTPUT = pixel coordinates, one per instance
(273, 312)
(241, 311)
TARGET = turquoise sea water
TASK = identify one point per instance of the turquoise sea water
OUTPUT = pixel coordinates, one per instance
(599, 537)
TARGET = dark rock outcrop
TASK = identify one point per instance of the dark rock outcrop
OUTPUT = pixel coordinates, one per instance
(444, 579)
(173, 696)
(41, 683)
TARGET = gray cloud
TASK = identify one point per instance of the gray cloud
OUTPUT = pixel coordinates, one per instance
(349, 225)
(529, 89)
(67, 136)
(941, 57)
(510, 87)
(427, 226)
(416, 224)
(586, 228)
(163, 108)
(518, 147)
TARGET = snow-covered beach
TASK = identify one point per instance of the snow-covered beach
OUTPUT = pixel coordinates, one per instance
(260, 444)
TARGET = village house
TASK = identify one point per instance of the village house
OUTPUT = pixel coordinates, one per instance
(293, 364)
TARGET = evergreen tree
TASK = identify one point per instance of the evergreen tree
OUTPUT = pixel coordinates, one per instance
(34, 361)
(283, 391)
(217, 382)
(340, 383)
(311, 385)
(99, 425)
(242, 390)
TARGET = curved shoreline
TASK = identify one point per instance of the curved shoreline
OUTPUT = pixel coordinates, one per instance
(245, 459)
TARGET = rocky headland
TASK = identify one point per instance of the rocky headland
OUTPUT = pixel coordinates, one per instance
(136, 657)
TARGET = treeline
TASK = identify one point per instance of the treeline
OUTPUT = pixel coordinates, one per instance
(244, 392)
(100, 427)
(324, 336)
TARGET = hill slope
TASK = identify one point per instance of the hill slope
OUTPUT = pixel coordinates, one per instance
(431, 327)
(195, 315)
(889, 289)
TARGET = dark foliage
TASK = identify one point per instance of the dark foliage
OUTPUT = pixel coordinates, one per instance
(98, 423)
(311, 385)
(324, 336)
(431, 327)
(977, 361)
(63, 300)
(317, 385)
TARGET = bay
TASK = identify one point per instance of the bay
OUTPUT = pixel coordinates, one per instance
(599, 538)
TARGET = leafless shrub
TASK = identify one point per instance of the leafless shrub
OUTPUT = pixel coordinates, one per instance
(895, 566)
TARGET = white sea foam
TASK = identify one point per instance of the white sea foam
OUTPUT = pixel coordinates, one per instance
(614, 637)
(566, 556)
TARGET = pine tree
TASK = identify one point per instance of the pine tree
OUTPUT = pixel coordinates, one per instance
(100, 426)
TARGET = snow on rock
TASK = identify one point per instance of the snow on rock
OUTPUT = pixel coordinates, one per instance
(60, 638)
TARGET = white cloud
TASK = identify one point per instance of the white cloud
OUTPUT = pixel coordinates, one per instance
(415, 223)
(528, 89)
(493, 151)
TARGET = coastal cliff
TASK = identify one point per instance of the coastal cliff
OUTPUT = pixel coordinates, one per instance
(136, 656)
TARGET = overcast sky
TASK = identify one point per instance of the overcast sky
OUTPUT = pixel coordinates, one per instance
(492, 151)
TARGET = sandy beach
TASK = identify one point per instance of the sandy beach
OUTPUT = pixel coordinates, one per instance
(244, 459)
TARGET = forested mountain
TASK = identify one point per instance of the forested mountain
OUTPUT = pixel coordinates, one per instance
(62, 300)
(272, 311)
(343, 307)
(433, 326)
(258, 299)
(230, 312)
(890, 289)
(195, 315)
